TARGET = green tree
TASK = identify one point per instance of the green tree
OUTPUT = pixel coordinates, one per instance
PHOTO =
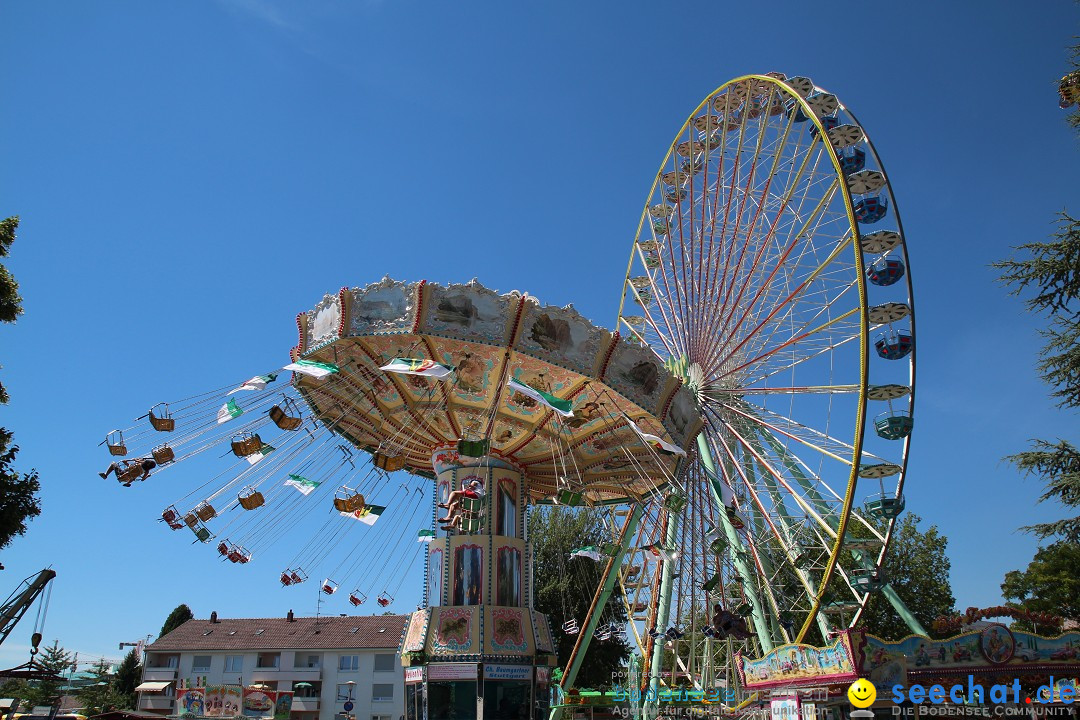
(565, 588)
(100, 695)
(19, 501)
(1048, 275)
(56, 661)
(128, 677)
(918, 570)
(1050, 583)
(180, 615)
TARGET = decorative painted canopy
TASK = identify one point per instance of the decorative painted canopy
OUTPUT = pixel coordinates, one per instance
(489, 339)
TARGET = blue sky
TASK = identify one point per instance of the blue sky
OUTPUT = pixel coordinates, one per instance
(192, 175)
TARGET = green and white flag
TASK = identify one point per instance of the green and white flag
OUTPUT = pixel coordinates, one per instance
(229, 411)
(305, 486)
(256, 383)
(560, 406)
(425, 536)
(414, 366)
(263, 452)
(661, 446)
(312, 368)
(589, 551)
(367, 514)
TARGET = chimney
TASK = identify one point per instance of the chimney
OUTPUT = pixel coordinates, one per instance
(289, 617)
(213, 616)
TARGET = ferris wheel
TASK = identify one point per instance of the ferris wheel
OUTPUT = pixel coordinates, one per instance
(770, 272)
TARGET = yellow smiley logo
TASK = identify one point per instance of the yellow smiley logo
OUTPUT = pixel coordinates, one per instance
(862, 693)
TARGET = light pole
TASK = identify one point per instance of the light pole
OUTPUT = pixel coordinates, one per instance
(349, 705)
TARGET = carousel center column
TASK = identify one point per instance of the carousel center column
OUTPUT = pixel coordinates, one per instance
(477, 650)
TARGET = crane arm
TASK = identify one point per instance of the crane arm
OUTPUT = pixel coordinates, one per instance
(13, 609)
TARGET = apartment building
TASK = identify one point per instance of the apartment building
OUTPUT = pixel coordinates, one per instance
(328, 663)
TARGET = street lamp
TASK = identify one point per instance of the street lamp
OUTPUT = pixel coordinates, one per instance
(349, 705)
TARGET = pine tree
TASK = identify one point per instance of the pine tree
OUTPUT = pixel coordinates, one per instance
(100, 695)
(128, 676)
(19, 501)
(55, 661)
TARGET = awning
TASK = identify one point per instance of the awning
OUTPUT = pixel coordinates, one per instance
(152, 686)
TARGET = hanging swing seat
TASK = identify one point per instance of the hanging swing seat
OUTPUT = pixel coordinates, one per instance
(348, 501)
(246, 444)
(675, 502)
(389, 461)
(640, 607)
(472, 512)
(712, 583)
(250, 498)
(473, 448)
(202, 533)
(384, 599)
(297, 576)
(894, 344)
(717, 544)
(283, 420)
(894, 424)
(570, 627)
(286, 579)
(328, 586)
(163, 455)
(130, 474)
(568, 497)
(205, 511)
(163, 422)
(223, 549)
(885, 506)
(735, 518)
(238, 554)
(744, 610)
(357, 598)
(172, 518)
(115, 443)
(191, 520)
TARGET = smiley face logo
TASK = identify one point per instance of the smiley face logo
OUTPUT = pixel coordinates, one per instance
(862, 693)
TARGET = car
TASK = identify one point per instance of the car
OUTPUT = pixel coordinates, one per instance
(1025, 653)
(1065, 653)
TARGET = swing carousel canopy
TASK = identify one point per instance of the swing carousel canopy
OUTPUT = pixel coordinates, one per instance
(490, 339)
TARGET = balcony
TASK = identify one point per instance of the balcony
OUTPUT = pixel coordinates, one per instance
(156, 703)
(266, 673)
(159, 674)
(305, 704)
(304, 674)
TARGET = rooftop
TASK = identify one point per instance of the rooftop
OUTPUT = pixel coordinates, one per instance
(301, 633)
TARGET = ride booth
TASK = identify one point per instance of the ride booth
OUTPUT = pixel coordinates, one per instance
(478, 650)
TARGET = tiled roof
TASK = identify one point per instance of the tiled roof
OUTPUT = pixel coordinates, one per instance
(303, 633)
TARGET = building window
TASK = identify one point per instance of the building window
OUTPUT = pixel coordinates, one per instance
(508, 590)
(384, 663)
(348, 662)
(345, 692)
(307, 661)
(268, 660)
(382, 692)
(380, 717)
(200, 663)
(234, 663)
(468, 575)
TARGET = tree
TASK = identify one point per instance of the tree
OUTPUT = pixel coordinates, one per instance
(128, 677)
(1050, 583)
(180, 615)
(100, 695)
(56, 661)
(565, 588)
(19, 502)
(1051, 271)
(918, 570)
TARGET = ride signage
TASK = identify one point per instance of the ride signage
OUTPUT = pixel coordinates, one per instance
(508, 672)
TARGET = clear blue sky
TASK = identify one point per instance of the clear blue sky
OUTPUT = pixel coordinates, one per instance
(191, 175)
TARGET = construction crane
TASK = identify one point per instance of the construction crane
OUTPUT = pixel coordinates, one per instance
(13, 609)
